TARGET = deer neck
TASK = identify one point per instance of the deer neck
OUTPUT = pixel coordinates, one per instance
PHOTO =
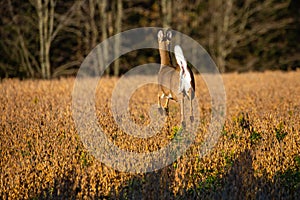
(165, 59)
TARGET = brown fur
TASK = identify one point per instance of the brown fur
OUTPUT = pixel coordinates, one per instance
(168, 76)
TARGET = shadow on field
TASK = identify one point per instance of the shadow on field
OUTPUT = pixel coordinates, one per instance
(239, 183)
(154, 185)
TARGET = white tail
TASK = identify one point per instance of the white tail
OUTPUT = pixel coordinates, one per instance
(179, 54)
(185, 75)
(186, 80)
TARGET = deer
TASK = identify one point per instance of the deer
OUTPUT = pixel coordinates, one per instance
(173, 80)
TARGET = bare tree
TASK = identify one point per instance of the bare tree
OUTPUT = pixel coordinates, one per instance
(92, 33)
(166, 8)
(93, 24)
(48, 28)
(102, 5)
(118, 28)
(19, 43)
(239, 34)
(236, 23)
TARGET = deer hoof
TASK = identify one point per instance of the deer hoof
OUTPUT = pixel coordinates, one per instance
(161, 110)
(183, 124)
(166, 110)
(192, 118)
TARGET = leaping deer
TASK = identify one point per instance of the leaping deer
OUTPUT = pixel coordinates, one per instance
(168, 74)
(173, 80)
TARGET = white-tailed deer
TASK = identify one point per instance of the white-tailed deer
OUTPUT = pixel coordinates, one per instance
(173, 80)
(168, 75)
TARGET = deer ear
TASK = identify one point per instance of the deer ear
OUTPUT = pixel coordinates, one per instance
(169, 34)
(160, 35)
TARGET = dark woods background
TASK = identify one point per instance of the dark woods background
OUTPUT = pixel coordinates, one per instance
(50, 38)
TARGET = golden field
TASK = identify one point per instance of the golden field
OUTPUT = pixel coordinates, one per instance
(256, 157)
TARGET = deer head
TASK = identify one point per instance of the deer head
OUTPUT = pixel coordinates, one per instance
(164, 43)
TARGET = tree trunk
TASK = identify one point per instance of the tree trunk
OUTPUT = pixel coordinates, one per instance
(117, 44)
(166, 8)
(94, 34)
(45, 13)
(47, 31)
(102, 5)
(232, 26)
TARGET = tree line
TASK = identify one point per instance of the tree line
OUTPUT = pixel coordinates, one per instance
(50, 38)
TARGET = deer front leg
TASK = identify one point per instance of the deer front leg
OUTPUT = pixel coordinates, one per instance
(158, 101)
(160, 108)
(166, 107)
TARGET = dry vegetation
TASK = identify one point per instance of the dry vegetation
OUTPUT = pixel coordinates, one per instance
(257, 156)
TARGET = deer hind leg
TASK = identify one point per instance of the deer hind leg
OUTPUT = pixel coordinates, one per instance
(191, 110)
(192, 95)
(182, 111)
